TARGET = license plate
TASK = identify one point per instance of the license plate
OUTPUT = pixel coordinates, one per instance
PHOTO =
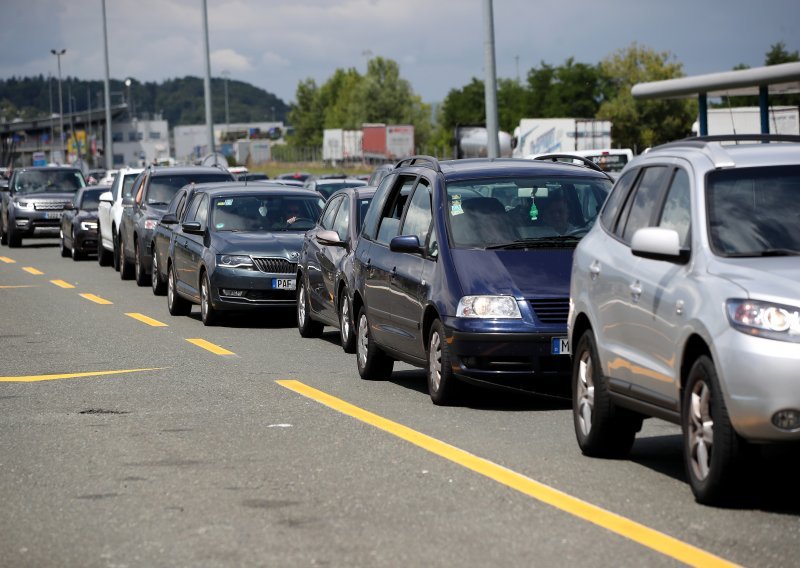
(284, 283)
(53, 215)
(560, 346)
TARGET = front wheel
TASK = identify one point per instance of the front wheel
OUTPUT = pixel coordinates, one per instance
(443, 387)
(115, 249)
(138, 267)
(305, 325)
(208, 314)
(373, 363)
(602, 428)
(65, 250)
(710, 444)
(126, 267)
(176, 305)
(158, 284)
(347, 335)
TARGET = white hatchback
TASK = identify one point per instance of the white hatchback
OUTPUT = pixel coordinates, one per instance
(109, 213)
(685, 305)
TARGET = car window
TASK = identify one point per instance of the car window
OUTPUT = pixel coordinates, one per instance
(372, 216)
(676, 213)
(330, 212)
(418, 216)
(615, 201)
(127, 185)
(91, 199)
(192, 209)
(177, 203)
(138, 187)
(342, 222)
(389, 226)
(202, 211)
(643, 204)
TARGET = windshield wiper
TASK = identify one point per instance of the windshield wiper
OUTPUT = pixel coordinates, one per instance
(538, 242)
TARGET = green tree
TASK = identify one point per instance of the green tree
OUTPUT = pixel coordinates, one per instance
(639, 124)
(306, 115)
(570, 90)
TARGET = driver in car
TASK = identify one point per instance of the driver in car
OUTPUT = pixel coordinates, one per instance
(555, 213)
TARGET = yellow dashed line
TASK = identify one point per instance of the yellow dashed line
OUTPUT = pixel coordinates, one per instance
(32, 270)
(7, 260)
(216, 349)
(96, 299)
(651, 538)
(4, 287)
(35, 378)
(62, 284)
(144, 319)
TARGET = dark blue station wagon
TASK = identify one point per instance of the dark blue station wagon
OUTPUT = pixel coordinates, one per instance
(463, 267)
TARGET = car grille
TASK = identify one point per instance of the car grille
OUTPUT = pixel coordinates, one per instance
(551, 310)
(275, 265)
(49, 205)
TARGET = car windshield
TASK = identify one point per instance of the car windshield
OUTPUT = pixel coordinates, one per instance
(522, 212)
(91, 198)
(264, 213)
(163, 188)
(754, 211)
(41, 181)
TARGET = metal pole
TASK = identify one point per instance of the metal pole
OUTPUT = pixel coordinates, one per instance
(490, 93)
(702, 107)
(107, 145)
(763, 105)
(58, 54)
(207, 83)
(50, 88)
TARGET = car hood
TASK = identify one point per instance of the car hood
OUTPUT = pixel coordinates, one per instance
(763, 278)
(46, 196)
(520, 273)
(257, 243)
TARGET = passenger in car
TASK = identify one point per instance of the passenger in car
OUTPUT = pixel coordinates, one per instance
(554, 212)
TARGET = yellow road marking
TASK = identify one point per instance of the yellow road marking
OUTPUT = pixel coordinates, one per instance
(96, 299)
(34, 378)
(622, 526)
(144, 319)
(26, 286)
(216, 349)
(7, 260)
(62, 284)
(32, 270)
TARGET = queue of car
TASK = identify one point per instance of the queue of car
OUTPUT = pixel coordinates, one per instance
(671, 295)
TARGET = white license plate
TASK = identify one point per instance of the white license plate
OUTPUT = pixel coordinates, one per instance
(53, 215)
(284, 283)
(560, 346)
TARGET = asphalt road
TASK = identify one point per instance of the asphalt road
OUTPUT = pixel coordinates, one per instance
(277, 454)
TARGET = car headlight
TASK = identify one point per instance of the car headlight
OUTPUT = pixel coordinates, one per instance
(235, 261)
(764, 319)
(24, 205)
(150, 224)
(89, 225)
(495, 307)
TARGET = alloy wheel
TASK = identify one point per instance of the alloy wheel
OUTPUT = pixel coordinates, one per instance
(435, 361)
(344, 320)
(585, 392)
(363, 340)
(701, 430)
(301, 304)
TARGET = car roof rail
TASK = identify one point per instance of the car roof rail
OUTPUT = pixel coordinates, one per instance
(586, 162)
(420, 160)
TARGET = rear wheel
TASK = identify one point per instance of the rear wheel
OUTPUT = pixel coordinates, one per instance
(305, 325)
(346, 332)
(443, 387)
(76, 254)
(138, 267)
(602, 428)
(158, 284)
(710, 444)
(65, 252)
(373, 363)
(176, 305)
(126, 268)
(208, 314)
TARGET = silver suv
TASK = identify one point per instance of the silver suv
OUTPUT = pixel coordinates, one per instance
(685, 305)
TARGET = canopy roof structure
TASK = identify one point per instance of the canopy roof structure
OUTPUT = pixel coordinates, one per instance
(762, 81)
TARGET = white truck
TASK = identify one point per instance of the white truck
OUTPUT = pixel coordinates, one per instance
(340, 145)
(559, 135)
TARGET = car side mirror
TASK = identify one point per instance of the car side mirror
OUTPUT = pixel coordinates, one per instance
(69, 207)
(169, 219)
(106, 197)
(657, 243)
(330, 238)
(193, 228)
(405, 243)
(4, 185)
(128, 201)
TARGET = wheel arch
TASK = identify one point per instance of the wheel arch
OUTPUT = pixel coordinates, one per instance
(694, 348)
(429, 315)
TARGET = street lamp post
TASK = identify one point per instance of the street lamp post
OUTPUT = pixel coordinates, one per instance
(226, 74)
(129, 102)
(58, 54)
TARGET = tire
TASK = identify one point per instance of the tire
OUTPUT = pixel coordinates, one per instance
(347, 335)
(65, 251)
(104, 257)
(3, 236)
(74, 252)
(176, 305)
(14, 240)
(126, 267)
(115, 249)
(158, 284)
(208, 314)
(142, 278)
(305, 325)
(711, 447)
(602, 428)
(373, 363)
(443, 387)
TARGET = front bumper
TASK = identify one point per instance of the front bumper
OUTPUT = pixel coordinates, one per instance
(30, 223)
(759, 378)
(86, 241)
(255, 288)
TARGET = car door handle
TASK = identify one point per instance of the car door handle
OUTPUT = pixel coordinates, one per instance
(636, 290)
(594, 269)
(393, 273)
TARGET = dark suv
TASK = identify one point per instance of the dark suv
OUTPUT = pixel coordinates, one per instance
(463, 267)
(151, 194)
(35, 200)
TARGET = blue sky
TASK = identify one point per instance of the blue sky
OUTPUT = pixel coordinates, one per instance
(439, 44)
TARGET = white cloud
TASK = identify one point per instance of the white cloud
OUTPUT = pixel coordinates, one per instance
(230, 60)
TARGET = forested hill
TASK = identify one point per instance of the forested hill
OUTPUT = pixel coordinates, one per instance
(179, 101)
